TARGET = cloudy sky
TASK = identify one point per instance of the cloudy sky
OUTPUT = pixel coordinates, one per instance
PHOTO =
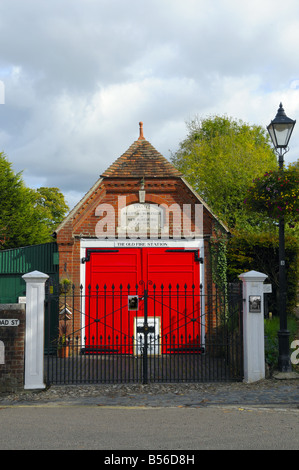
(77, 76)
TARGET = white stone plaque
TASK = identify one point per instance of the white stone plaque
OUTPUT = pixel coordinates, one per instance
(267, 288)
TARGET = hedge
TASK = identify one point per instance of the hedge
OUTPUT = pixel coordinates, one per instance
(260, 252)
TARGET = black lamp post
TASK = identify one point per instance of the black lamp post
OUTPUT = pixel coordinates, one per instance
(280, 130)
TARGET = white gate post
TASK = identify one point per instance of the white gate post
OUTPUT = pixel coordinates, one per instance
(34, 338)
(253, 325)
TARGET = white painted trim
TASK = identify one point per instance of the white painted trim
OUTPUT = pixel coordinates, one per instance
(186, 244)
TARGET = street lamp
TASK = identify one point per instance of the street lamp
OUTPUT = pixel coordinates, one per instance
(280, 130)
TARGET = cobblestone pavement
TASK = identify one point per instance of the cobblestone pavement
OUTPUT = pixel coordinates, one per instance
(269, 392)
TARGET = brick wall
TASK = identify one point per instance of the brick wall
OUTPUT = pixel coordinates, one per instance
(84, 220)
(13, 356)
(82, 223)
(166, 192)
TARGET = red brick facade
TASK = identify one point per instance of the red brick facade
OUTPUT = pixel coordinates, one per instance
(163, 185)
(12, 339)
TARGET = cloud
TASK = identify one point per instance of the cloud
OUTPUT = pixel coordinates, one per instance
(80, 75)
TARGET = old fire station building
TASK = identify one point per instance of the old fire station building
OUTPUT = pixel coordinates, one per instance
(140, 224)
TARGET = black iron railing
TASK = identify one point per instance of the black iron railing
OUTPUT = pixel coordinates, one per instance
(145, 334)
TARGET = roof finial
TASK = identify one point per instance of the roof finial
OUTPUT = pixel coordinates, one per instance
(141, 136)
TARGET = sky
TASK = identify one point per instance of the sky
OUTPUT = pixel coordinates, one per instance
(77, 77)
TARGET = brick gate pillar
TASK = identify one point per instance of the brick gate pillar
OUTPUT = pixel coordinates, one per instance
(34, 339)
(12, 345)
(253, 325)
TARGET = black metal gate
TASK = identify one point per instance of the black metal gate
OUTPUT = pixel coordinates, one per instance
(145, 334)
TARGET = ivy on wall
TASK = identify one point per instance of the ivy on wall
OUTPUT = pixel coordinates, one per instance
(218, 256)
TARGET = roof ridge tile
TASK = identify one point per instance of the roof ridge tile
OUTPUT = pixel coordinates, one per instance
(141, 159)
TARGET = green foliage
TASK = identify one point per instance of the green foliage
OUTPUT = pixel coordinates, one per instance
(220, 157)
(260, 252)
(218, 255)
(276, 194)
(52, 206)
(272, 327)
(65, 286)
(27, 216)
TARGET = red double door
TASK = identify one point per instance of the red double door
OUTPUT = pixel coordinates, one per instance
(125, 287)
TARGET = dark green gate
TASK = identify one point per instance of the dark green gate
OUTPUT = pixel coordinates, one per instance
(18, 261)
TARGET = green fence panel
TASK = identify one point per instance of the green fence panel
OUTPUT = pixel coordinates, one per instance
(18, 261)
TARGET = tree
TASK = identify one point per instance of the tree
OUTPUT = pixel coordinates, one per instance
(259, 252)
(220, 157)
(52, 206)
(27, 216)
(276, 194)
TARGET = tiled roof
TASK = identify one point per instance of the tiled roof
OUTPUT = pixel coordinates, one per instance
(141, 160)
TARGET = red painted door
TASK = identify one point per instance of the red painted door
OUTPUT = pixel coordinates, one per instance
(114, 307)
(173, 297)
(111, 277)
